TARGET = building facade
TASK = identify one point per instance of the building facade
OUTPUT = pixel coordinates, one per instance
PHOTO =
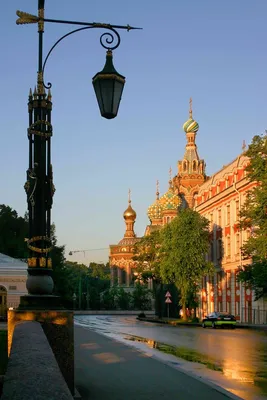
(219, 198)
(13, 276)
(121, 254)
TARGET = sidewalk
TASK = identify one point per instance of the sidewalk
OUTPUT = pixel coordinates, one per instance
(109, 370)
(174, 322)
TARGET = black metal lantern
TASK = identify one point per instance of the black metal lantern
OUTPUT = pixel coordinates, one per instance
(108, 85)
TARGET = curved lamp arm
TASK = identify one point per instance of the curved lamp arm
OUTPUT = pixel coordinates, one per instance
(106, 40)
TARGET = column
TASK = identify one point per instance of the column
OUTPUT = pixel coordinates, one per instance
(119, 276)
(128, 275)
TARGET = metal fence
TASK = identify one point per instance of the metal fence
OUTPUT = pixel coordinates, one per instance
(254, 316)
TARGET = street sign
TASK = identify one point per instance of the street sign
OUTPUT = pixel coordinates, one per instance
(168, 294)
(168, 300)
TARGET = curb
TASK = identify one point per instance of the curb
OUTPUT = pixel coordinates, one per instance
(198, 325)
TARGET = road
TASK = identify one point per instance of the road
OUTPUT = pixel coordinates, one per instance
(109, 370)
(242, 353)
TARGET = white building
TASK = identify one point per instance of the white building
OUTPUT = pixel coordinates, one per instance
(13, 276)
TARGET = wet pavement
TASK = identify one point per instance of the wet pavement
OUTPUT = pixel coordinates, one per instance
(241, 353)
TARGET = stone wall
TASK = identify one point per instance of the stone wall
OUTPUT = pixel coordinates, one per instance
(32, 371)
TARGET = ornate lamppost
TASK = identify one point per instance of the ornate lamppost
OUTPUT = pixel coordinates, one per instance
(108, 85)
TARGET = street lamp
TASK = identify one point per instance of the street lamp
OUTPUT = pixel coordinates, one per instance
(74, 297)
(108, 85)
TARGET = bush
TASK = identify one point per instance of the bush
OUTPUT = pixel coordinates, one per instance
(141, 297)
(123, 299)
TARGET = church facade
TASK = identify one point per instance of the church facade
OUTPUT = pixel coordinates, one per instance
(219, 198)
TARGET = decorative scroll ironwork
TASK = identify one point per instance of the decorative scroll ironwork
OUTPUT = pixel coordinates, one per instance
(107, 40)
(33, 131)
(39, 249)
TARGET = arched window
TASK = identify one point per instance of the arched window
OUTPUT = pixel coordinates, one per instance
(123, 276)
(194, 198)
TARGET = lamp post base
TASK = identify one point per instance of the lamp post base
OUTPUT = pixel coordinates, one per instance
(40, 302)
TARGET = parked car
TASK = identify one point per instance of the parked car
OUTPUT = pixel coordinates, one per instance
(221, 319)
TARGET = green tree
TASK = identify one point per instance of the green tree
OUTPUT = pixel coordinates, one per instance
(123, 299)
(253, 216)
(147, 258)
(185, 243)
(141, 297)
(109, 298)
(13, 231)
(101, 271)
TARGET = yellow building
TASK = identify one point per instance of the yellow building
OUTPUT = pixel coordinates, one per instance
(219, 198)
(13, 276)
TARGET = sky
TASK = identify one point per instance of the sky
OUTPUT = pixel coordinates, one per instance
(212, 51)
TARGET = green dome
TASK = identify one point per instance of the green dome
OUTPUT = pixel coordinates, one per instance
(170, 200)
(190, 126)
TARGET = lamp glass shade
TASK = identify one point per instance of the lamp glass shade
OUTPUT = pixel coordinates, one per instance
(108, 85)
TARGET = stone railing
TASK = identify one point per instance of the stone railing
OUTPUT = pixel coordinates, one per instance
(32, 370)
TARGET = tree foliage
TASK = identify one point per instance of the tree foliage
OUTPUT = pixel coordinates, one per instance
(100, 270)
(184, 245)
(147, 257)
(13, 231)
(254, 218)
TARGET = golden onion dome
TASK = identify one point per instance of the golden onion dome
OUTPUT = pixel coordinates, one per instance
(170, 200)
(129, 213)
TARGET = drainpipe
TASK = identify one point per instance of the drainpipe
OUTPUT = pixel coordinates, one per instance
(240, 251)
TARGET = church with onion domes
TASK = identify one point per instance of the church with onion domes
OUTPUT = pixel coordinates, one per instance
(219, 198)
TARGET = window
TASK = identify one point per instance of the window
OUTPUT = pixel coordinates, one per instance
(228, 279)
(211, 251)
(219, 249)
(237, 243)
(237, 209)
(228, 214)
(228, 246)
(220, 217)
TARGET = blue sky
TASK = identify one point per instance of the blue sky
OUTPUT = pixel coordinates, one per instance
(212, 51)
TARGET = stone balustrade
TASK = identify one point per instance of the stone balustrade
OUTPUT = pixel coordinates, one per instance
(32, 371)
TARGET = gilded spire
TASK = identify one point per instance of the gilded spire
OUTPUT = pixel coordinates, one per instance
(244, 146)
(157, 189)
(35, 93)
(49, 95)
(190, 108)
(129, 213)
(129, 216)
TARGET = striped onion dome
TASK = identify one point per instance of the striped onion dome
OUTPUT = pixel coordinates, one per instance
(190, 126)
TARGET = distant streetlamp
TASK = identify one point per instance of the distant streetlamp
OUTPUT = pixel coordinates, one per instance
(108, 85)
(74, 297)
